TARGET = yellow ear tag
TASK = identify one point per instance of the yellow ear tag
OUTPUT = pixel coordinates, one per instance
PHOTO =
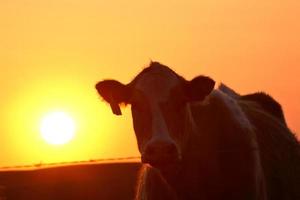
(114, 106)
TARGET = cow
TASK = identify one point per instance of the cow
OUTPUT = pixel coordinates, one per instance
(198, 142)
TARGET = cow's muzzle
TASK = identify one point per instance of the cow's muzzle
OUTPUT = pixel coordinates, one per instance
(160, 153)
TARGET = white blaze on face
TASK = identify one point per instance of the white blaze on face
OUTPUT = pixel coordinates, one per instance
(156, 87)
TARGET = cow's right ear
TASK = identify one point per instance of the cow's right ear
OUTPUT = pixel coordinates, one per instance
(198, 88)
(114, 93)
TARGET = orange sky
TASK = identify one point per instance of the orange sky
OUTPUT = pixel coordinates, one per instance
(53, 52)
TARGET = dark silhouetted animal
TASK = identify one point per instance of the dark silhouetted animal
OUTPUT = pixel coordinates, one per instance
(198, 142)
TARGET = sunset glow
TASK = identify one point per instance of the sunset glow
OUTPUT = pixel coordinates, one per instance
(53, 52)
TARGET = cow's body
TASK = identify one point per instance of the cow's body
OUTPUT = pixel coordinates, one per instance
(203, 143)
(222, 160)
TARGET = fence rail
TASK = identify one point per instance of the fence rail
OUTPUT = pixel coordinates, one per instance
(90, 161)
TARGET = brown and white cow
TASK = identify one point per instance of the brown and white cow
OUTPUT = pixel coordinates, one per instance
(196, 142)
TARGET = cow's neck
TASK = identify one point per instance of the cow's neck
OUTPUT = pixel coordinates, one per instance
(219, 126)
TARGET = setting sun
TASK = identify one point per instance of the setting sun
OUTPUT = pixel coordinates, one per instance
(57, 128)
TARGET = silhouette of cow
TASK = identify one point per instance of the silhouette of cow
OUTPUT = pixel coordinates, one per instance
(197, 142)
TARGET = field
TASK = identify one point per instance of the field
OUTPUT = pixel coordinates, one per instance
(88, 182)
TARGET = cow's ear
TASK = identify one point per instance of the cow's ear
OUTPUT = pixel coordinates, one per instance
(198, 88)
(114, 93)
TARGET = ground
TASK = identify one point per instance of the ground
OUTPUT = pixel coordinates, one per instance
(88, 182)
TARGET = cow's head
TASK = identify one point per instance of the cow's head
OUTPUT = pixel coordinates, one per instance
(159, 99)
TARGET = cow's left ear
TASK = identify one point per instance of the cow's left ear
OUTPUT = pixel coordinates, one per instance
(114, 93)
(198, 88)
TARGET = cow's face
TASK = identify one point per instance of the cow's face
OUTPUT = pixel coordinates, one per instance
(159, 100)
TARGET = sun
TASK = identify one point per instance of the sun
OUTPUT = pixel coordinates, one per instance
(57, 128)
